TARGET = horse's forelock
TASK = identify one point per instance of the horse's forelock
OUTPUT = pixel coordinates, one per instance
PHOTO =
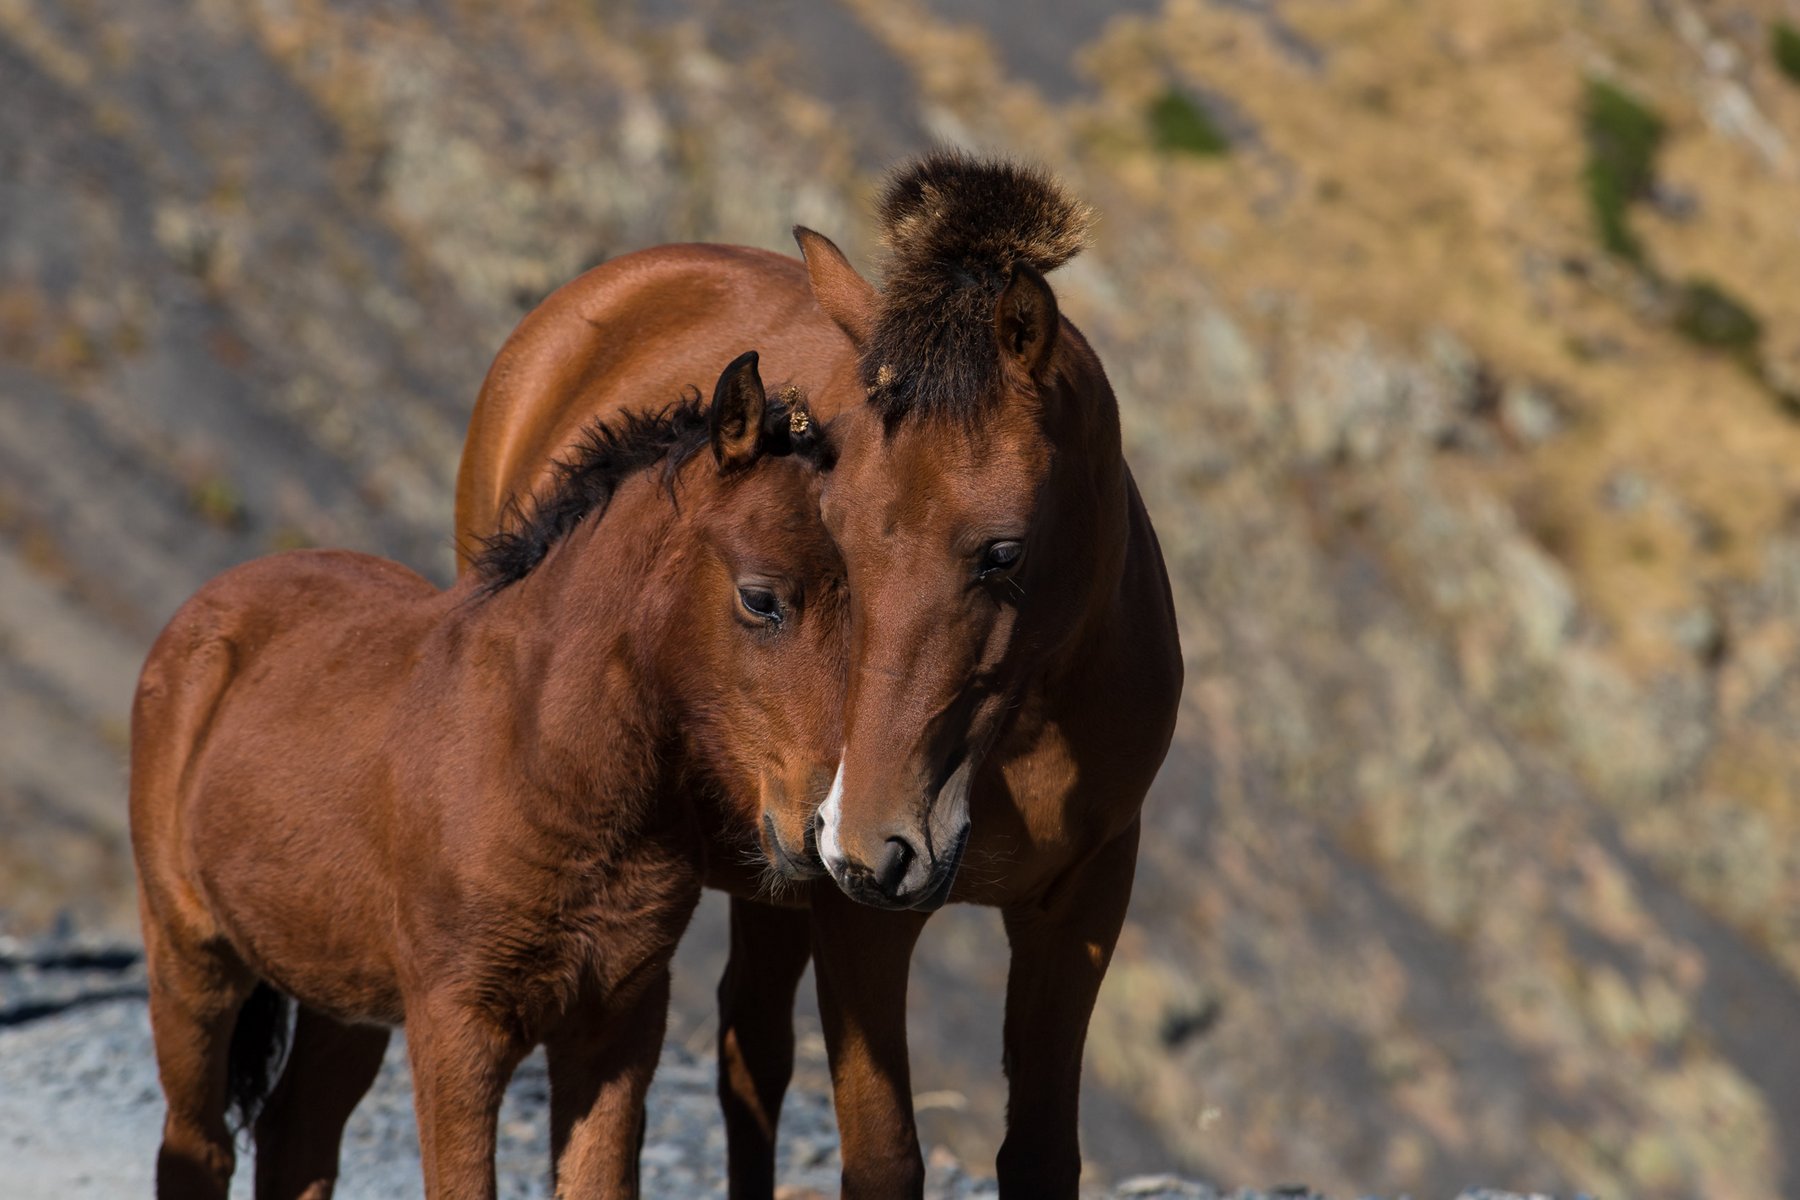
(955, 228)
(952, 210)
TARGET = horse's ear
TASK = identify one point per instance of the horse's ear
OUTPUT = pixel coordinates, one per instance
(846, 297)
(737, 413)
(1026, 320)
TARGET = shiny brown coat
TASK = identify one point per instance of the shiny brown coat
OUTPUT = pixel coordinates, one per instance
(472, 811)
(1069, 741)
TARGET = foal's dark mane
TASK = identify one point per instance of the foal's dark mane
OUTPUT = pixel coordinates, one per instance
(608, 453)
(955, 227)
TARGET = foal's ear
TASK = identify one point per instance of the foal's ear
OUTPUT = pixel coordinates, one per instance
(737, 413)
(846, 297)
(1026, 321)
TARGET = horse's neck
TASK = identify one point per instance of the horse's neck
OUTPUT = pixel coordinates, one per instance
(1094, 501)
(567, 646)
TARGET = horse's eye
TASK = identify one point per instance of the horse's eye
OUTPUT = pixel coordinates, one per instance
(761, 603)
(1000, 557)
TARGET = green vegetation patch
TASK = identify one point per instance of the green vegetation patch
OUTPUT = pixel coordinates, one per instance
(216, 502)
(1784, 47)
(1622, 137)
(1708, 315)
(1180, 126)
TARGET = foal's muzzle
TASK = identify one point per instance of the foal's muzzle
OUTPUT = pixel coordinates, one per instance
(797, 865)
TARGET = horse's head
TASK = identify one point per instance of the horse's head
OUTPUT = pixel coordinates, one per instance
(947, 501)
(756, 601)
(727, 591)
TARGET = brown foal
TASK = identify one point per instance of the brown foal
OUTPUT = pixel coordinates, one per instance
(1014, 669)
(474, 811)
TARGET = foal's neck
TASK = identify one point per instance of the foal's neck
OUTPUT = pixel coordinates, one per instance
(575, 652)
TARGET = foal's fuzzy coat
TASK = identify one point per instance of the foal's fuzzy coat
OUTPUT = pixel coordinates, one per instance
(470, 810)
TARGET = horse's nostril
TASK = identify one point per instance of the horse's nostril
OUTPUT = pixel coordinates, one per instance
(893, 868)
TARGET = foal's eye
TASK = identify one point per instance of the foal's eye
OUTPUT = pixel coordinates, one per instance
(1000, 557)
(761, 603)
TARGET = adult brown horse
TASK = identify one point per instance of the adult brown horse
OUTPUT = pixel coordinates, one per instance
(470, 810)
(1014, 667)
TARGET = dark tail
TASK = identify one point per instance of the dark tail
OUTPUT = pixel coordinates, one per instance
(258, 1043)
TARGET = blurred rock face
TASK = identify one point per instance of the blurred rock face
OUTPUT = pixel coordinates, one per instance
(1476, 857)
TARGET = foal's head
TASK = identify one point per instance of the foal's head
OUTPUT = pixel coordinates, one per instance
(740, 590)
(949, 504)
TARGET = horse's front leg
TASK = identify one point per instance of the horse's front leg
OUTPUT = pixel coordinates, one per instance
(461, 1062)
(861, 957)
(601, 1061)
(769, 950)
(1061, 945)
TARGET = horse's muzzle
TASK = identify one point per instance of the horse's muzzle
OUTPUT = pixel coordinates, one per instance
(902, 879)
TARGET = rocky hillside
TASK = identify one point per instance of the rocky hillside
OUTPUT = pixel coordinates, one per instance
(1459, 352)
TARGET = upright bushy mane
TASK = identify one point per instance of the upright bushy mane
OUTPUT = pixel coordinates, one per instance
(955, 227)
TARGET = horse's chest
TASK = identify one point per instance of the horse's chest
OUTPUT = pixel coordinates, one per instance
(579, 931)
(1034, 813)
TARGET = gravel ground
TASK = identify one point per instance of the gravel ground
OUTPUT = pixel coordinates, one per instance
(80, 1108)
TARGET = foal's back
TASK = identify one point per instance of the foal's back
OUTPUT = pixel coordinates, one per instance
(262, 740)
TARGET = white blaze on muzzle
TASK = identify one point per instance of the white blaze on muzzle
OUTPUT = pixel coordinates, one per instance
(830, 814)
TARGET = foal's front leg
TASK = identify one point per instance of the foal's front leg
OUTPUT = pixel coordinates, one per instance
(461, 1062)
(600, 1064)
(861, 957)
(769, 950)
(1061, 945)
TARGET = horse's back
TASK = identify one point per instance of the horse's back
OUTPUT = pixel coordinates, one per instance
(238, 613)
(238, 693)
(633, 334)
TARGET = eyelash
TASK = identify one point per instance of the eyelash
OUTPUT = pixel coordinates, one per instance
(773, 614)
(990, 568)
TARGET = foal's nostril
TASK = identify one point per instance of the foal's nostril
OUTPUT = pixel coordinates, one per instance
(892, 871)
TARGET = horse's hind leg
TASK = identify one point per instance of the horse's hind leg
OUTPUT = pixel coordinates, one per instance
(194, 1001)
(769, 950)
(329, 1069)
